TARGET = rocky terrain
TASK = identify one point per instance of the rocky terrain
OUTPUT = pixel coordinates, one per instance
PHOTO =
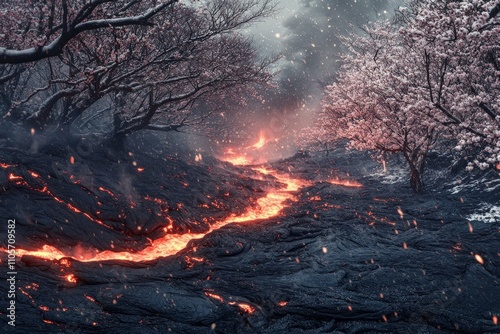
(352, 251)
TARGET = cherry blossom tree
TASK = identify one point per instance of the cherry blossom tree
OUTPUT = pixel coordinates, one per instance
(429, 78)
(459, 44)
(174, 68)
(375, 102)
(36, 29)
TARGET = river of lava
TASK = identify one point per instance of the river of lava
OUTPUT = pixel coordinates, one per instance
(267, 207)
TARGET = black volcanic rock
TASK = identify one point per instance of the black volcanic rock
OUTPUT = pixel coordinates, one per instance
(374, 259)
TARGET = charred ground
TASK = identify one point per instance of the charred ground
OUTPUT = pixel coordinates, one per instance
(370, 259)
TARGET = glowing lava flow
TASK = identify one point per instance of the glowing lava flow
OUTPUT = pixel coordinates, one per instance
(267, 207)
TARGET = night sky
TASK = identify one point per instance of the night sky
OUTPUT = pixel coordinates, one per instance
(306, 33)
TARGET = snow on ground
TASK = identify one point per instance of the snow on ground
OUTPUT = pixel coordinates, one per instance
(487, 213)
(486, 183)
(395, 174)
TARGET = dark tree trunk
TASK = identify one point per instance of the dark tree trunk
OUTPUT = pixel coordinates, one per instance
(416, 181)
(416, 162)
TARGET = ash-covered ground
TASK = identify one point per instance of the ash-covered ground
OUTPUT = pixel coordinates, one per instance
(338, 259)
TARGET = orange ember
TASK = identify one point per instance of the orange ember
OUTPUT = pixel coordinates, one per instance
(13, 177)
(400, 212)
(244, 307)
(71, 278)
(266, 207)
(479, 259)
(214, 296)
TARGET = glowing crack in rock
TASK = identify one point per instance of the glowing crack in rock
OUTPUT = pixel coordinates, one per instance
(266, 207)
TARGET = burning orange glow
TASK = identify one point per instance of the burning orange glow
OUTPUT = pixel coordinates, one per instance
(479, 259)
(282, 303)
(214, 296)
(5, 166)
(71, 278)
(244, 307)
(346, 183)
(261, 142)
(246, 158)
(266, 207)
(92, 299)
(238, 160)
(495, 320)
(497, 166)
(13, 177)
(470, 228)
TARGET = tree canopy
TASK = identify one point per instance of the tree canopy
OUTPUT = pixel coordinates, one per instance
(137, 64)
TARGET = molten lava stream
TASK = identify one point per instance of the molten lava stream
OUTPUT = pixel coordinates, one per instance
(267, 207)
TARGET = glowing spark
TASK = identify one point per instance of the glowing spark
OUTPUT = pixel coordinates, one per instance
(349, 307)
(72, 160)
(470, 228)
(405, 246)
(495, 320)
(384, 318)
(479, 259)
(282, 304)
(325, 250)
(32, 131)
